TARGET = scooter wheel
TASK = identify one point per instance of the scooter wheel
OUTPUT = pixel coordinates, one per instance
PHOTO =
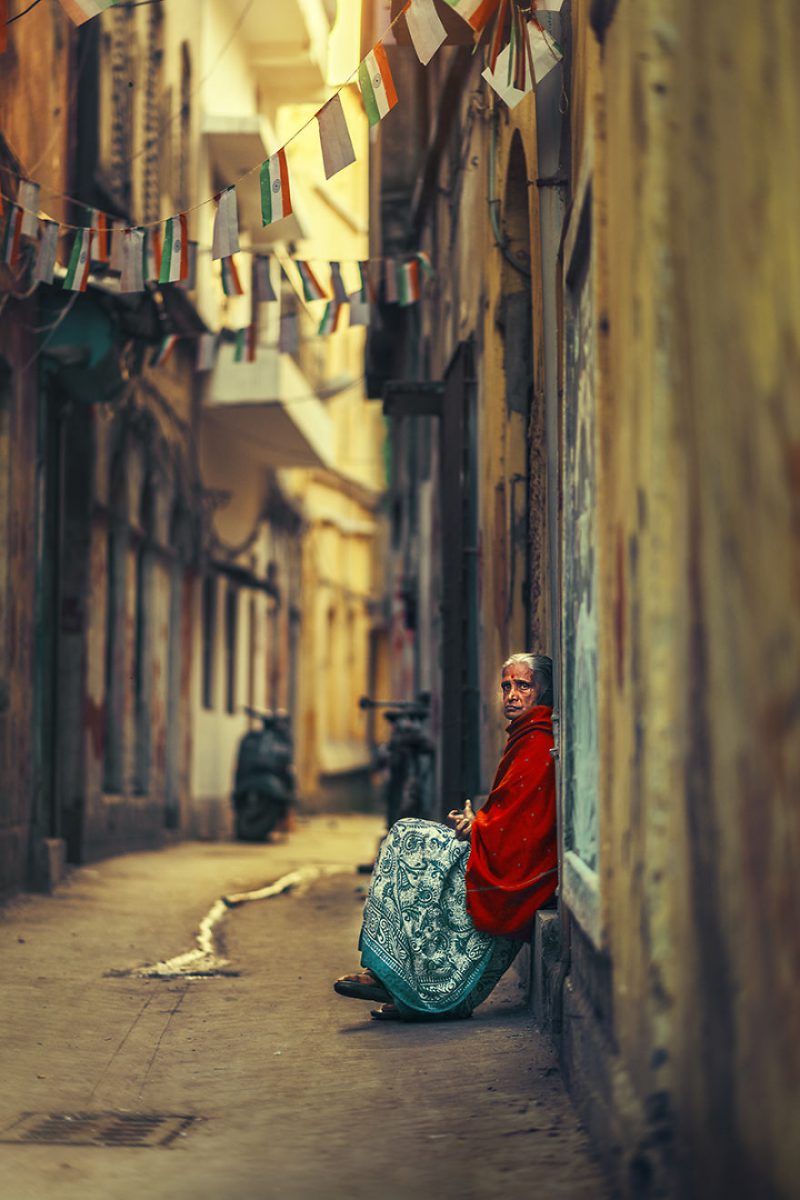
(256, 817)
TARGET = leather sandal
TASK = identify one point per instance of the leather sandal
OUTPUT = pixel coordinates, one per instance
(362, 985)
(386, 1012)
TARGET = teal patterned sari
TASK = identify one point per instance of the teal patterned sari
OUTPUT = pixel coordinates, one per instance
(417, 936)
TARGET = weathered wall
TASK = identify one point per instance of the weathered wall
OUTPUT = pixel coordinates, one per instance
(18, 426)
(681, 1029)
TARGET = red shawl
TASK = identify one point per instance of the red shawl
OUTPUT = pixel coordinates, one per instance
(513, 860)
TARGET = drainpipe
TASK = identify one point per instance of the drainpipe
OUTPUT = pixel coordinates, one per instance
(553, 164)
(494, 199)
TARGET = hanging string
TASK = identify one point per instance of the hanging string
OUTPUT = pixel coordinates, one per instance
(201, 203)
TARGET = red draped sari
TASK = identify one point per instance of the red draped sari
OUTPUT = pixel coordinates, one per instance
(513, 861)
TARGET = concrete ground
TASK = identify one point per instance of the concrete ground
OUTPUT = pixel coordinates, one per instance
(297, 1094)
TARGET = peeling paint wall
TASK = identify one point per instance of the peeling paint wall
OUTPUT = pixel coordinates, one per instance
(681, 1031)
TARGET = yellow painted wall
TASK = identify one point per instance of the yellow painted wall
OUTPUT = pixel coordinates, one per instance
(691, 116)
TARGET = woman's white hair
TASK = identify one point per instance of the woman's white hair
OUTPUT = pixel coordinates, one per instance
(541, 668)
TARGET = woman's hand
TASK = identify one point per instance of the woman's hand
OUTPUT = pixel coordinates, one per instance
(462, 821)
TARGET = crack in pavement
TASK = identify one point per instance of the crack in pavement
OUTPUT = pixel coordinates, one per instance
(204, 961)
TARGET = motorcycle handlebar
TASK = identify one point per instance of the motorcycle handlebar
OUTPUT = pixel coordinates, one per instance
(422, 703)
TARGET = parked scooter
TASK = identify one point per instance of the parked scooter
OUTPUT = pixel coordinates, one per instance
(264, 788)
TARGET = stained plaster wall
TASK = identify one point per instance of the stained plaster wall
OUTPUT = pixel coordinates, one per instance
(33, 127)
(136, 807)
(478, 295)
(680, 1023)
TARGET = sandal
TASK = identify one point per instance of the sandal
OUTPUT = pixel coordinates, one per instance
(386, 1012)
(362, 985)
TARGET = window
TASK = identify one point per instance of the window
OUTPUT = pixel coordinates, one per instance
(209, 622)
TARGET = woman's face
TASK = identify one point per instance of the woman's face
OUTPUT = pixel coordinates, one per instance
(518, 690)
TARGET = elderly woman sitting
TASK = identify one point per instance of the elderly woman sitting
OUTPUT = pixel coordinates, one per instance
(448, 909)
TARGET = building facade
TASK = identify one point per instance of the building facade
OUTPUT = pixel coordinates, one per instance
(158, 520)
(593, 412)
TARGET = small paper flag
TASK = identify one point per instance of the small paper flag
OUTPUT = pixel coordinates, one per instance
(476, 13)
(425, 28)
(77, 276)
(545, 55)
(408, 283)
(337, 284)
(276, 197)
(245, 348)
(152, 255)
(175, 251)
(359, 309)
(164, 351)
(132, 278)
(263, 291)
(377, 86)
(12, 227)
(390, 280)
(206, 352)
(312, 288)
(28, 200)
(231, 283)
(330, 318)
(46, 252)
(83, 10)
(117, 233)
(334, 138)
(101, 244)
(423, 258)
(289, 334)
(190, 282)
(225, 240)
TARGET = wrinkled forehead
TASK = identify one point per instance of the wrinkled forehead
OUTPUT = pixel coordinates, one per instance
(518, 673)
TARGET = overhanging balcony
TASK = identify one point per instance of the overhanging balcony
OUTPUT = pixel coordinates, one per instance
(270, 405)
(289, 52)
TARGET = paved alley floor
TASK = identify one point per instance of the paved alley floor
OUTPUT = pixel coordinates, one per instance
(296, 1094)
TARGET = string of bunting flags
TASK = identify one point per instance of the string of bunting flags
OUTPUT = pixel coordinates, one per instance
(522, 49)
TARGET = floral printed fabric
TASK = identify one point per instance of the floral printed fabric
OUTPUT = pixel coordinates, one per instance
(417, 936)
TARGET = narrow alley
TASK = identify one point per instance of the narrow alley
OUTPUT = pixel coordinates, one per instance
(295, 1092)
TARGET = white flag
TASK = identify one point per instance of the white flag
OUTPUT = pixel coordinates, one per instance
(225, 240)
(206, 352)
(28, 200)
(359, 309)
(46, 252)
(425, 28)
(337, 284)
(132, 279)
(117, 234)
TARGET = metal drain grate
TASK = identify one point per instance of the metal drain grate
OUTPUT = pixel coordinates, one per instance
(97, 1129)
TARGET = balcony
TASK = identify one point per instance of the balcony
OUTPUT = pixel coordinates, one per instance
(289, 54)
(270, 405)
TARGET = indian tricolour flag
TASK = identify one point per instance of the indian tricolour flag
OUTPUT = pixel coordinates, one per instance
(245, 348)
(377, 85)
(151, 260)
(174, 250)
(77, 276)
(164, 351)
(476, 12)
(330, 318)
(276, 197)
(231, 283)
(83, 10)
(101, 241)
(312, 288)
(408, 283)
